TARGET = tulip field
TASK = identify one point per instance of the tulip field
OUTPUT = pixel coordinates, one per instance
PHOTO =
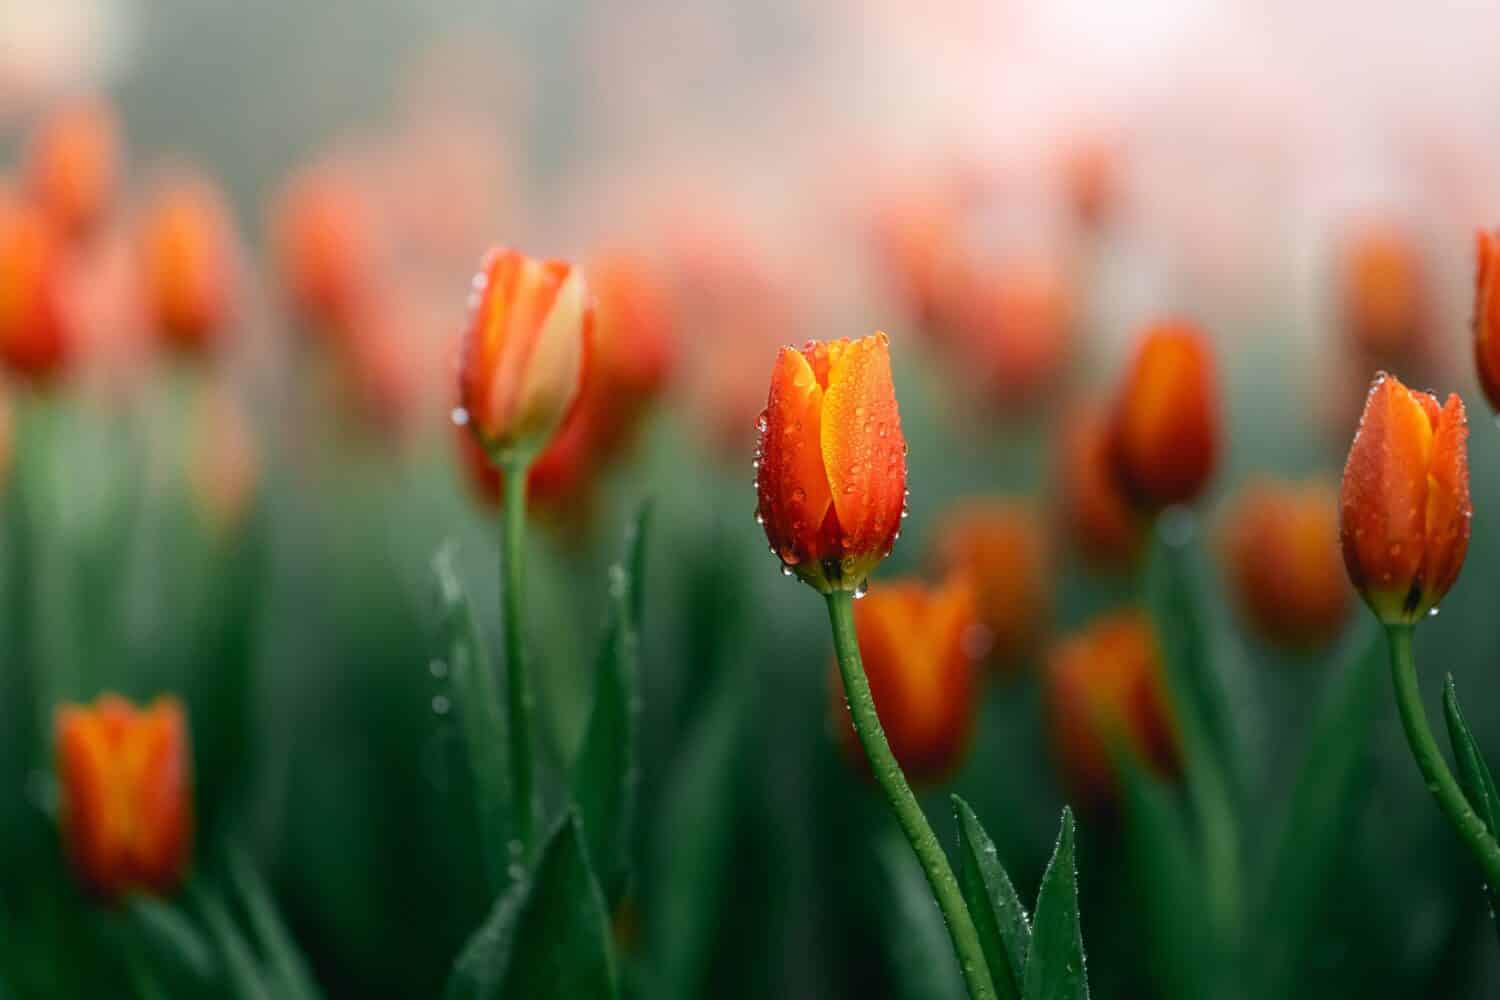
(685, 500)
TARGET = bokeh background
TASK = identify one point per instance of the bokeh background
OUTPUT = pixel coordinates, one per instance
(1045, 177)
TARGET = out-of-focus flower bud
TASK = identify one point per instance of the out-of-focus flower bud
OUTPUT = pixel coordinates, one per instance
(831, 462)
(1097, 520)
(1164, 432)
(1281, 552)
(1404, 509)
(323, 234)
(1018, 325)
(1105, 684)
(35, 339)
(633, 333)
(126, 787)
(223, 461)
(1090, 174)
(188, 267)
(1487, 317)
(1384, 294)
(915, 642)
(919, 240)
(71, 165)
(524, 352)
(1001, 547)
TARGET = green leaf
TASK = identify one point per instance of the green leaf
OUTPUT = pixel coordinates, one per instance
(998, 912)
(1055, 964)
(548, 936)
(1319, 809)
(916, 944)
(170, 939)
(282, 954)
(476, 702)
(1474, 774)
(607, 774)
(240, 967)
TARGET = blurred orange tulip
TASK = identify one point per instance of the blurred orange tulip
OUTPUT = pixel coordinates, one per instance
(633, 333)
(1384, 294)
(1487, 317)
(1104, 684)
(1404, 508)
(125, 779)
(1164, 432)
(187, 252)
(831, 461)
(1090, 173)
(322, 230)
(524, 352)
(71, 164)
(1281, 551)
(35, 339)
(919, 242)
(1000, 546)
(1097, 519)
(915, 642)
(1018, 326)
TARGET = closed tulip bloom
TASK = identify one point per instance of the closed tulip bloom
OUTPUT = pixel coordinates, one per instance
(35, 339)
(831, 462)
(633, 325)
(1000, 546)
(1097, 519)
(125, 780)
(523, 354)
(1106, 684)
(71, 165)
(1404, 509)
(1384, 292)
(187, 253)
(1281, 551)
(1487, 317)
(323, 232)
(916, 644)
(1164, 435)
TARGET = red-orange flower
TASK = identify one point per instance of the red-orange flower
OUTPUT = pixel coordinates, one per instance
(125, 779)
(1384, 292)
(1018, 325)
(1090, 174)
(35, 339)
(523, 354)
(1001, 547)
(323, 232)
(1281, 552)
(1105, 684)
(914, 641)
(1404, 509)
(1164, 433)
(1097, 519)
(1487, 317)
(187, 253)
(633, 325)
(831, 462)
(71, 164)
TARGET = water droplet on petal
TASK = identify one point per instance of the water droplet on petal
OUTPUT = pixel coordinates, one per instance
(460, 416)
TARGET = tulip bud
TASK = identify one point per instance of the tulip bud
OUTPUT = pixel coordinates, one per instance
(71, 165)
(1090, 173)
(1105, 685)
(1487, 317)
(831, 461)
(188, 263)
(125, 781)
(1282, 554)
(323, 234)
(915, 642)
(35, 338)
(1164, 433)
(523, 354)
(1001, 547)
(1384, 292)
(633, 325)
(1097, 519)
(1404, 509)
(1018, 325)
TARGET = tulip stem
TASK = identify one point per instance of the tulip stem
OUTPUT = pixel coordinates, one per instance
(904, 804)
(519, 700)
(1424, 748)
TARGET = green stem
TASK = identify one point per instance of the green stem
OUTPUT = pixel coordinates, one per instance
(904, 804)
(517, 682)
(1424, 748)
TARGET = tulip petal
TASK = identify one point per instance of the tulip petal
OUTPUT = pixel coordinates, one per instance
(1448, 510)
(554, 352)
(791, 484)
(1487, 317)
(863, 448)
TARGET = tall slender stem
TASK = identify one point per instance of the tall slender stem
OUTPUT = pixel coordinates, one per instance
(519, 699)
(904, 804)
(1424, 748)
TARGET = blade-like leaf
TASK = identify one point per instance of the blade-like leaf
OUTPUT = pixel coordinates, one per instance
(287, 965)
(1474, 774)
(916, 943)
(240, 967)
(998, 912)
(1055, 964)
(548, 936)
(170, 939)
(476, 701)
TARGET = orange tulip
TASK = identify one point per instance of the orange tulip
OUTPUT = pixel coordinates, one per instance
(1404, 509)
(633, 325)
(125, 778)
(523, 354)
(1487, 317)
(323, 232)
(915, 642)
(1019, 324)
(557, 480)
(1282, 555)
(187, 253)
(1164, 434)
(1090, 174)
(71, 165)
(1384, 292)
(1106, 684)
(1001, 547)
(1097, 519)
(831, 462)
(35, 339)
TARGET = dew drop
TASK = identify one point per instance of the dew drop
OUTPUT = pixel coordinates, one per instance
(460, 416)
(759, 517)
(440, 704)
(862, 589)
(1433, 613)
(786, 570)
(438, 669)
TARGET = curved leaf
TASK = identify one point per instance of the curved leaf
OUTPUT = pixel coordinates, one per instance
(998, 912)
(1055, 965)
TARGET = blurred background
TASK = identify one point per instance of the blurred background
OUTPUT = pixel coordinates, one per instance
(229, 460)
